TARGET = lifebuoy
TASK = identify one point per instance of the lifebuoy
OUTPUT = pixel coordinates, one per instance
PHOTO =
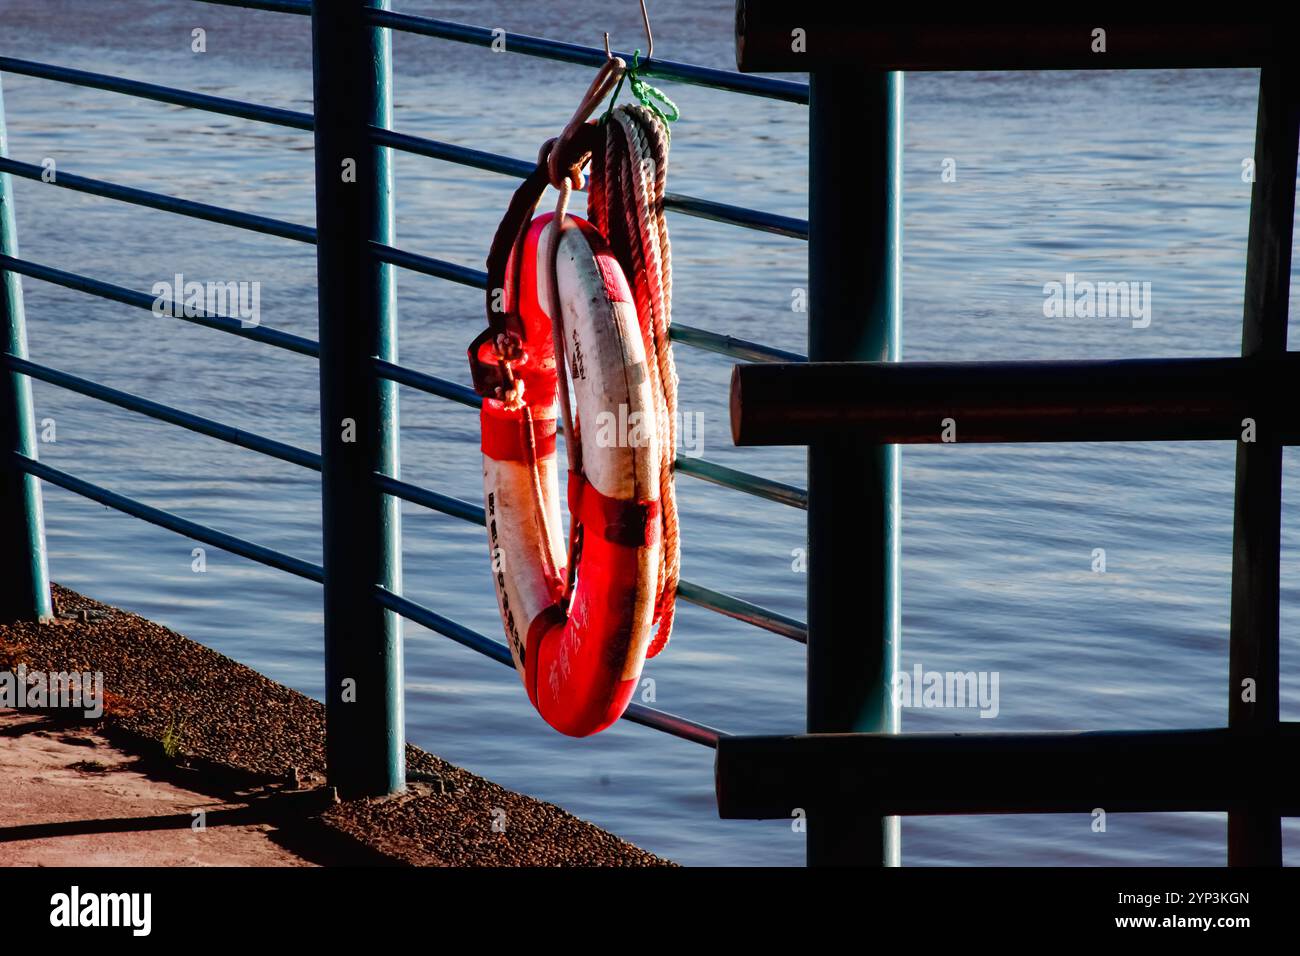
(579, 660)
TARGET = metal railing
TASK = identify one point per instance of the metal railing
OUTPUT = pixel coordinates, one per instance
(359, 121)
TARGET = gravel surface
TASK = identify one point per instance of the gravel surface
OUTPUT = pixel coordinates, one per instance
(227, 717)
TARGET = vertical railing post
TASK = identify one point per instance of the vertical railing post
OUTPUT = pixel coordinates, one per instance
(1255, 833)
(854, 304)
(365, 737)
(25, 585)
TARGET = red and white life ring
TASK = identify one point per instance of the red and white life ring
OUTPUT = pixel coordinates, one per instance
(579, 662)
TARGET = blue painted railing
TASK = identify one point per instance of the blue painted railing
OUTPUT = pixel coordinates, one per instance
(346, 26)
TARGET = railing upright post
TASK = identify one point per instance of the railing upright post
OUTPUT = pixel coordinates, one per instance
(365, 737)
(1255, 833)
(854, 305)
(25, 587)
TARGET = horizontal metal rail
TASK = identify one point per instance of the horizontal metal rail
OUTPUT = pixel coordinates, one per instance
(451, 153)
(432, 384)
(302, 7)
(754, 219)
(738, 480)
(636, 713)
(291, 119)
(741, 216)
(426, 265)
(734, 607)
(163, 202)
(687, 335)
(696, 594)
(672, 725)
(172, 522)
(433, 500)
(731, 346)
(142, 300)
(427, 617)
(165, 413)
(592, 56)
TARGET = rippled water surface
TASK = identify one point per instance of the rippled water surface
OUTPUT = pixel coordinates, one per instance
(1110, 176)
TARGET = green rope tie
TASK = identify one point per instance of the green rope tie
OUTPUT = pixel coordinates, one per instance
(646, 95)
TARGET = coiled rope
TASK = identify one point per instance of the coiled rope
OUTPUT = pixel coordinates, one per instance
(625, 203)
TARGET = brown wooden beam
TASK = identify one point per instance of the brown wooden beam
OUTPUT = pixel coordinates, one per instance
(836, 33)
(944, 773)
(931, 402)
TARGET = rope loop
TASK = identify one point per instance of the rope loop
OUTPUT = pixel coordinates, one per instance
(646, 95)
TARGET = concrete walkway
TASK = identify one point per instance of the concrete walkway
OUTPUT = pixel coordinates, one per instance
(70, 798)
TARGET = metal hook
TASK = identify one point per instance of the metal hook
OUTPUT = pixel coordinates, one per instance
(649, 37)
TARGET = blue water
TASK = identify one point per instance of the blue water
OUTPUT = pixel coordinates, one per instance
(1111, 176)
